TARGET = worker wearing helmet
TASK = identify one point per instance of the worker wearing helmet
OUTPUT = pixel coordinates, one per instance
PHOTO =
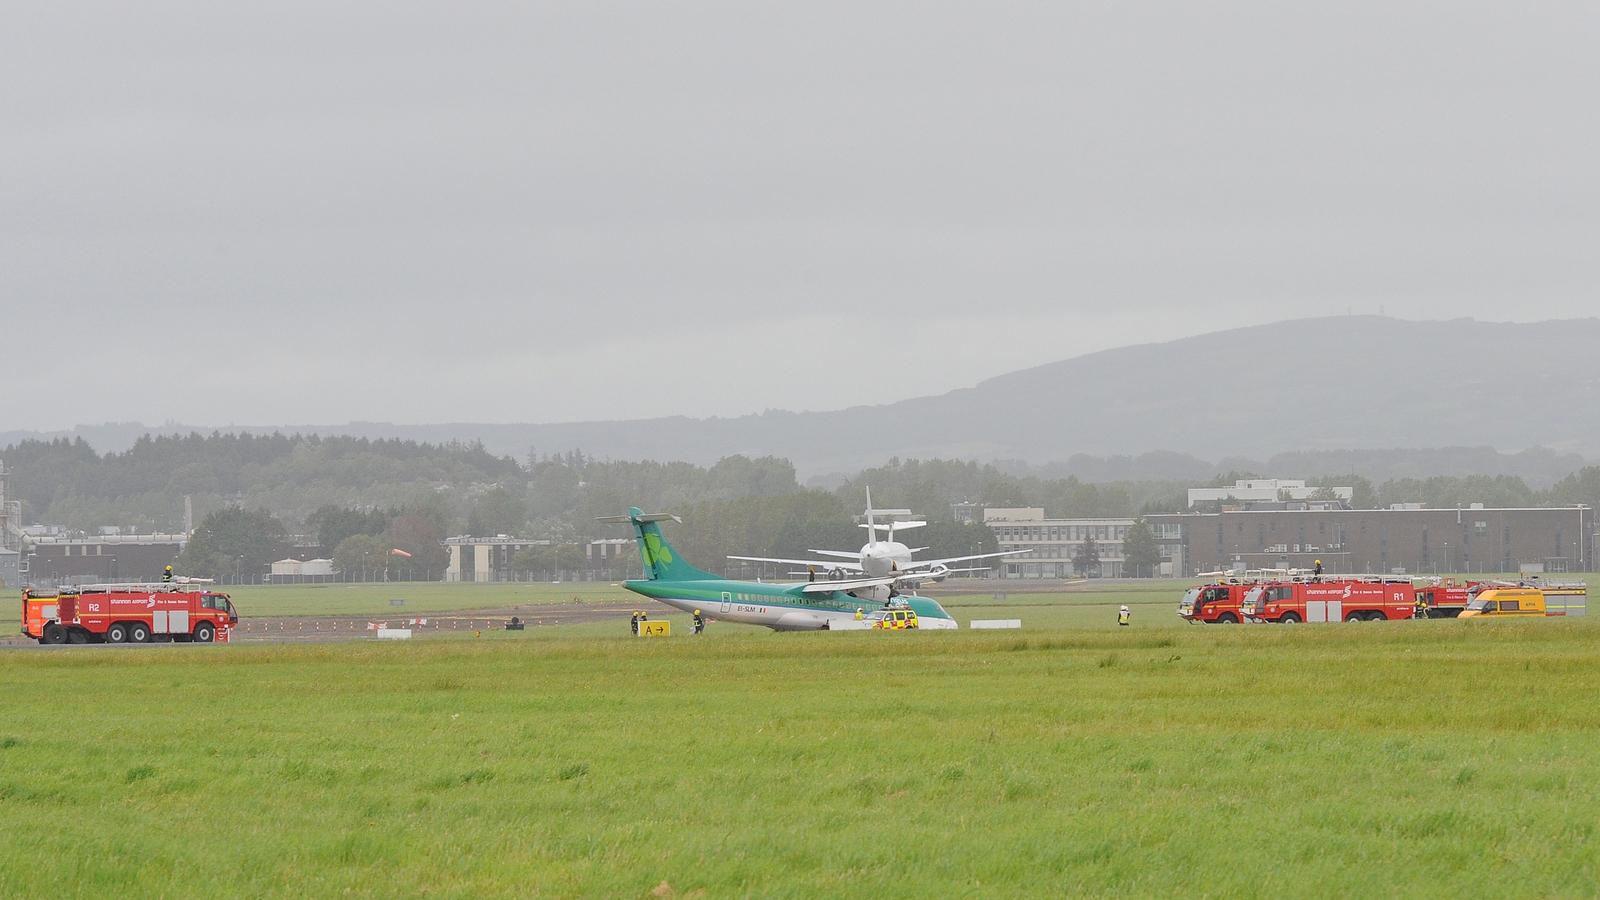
(167, 575)
(635, 623)
(1318, 570)
(1123, 615)
(699, 622)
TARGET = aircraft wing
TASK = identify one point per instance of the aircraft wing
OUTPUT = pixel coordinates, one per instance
(849, 584)
(921, 564)
(841, 554)
(810, 563)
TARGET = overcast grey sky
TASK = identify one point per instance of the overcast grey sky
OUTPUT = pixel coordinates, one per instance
(318, 212)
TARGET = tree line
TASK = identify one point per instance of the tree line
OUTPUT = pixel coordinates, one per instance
(372, 497)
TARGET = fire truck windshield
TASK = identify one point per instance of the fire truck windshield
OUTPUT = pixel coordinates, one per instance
(1252, 596)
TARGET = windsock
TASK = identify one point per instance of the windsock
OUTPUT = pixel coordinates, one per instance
(398, 552)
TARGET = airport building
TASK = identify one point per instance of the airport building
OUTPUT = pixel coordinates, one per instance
(1268, 490)
(1056, 542)
(59, 559)
(484, 559)
(302, 571)
(1406, 539)
(13, 568)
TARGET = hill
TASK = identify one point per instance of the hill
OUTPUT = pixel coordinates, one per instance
(1318, 389)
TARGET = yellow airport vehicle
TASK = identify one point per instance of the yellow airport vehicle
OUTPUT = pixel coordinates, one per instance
(1504, 603)
(896, 619)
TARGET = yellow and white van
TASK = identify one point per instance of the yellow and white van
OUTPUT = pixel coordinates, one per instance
(1505, 602)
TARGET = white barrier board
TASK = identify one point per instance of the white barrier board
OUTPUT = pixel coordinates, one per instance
(394, 634)
(995, 623)
(850, 624)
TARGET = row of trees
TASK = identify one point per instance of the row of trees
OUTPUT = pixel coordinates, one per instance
(239, 544)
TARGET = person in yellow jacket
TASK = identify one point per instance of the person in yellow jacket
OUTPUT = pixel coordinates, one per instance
(1123, 616)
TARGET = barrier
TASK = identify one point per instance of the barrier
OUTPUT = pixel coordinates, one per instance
(994, 623)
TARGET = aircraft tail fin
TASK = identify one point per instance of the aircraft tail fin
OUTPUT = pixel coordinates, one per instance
(661, 562)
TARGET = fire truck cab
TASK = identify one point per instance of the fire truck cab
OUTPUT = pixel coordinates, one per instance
(1215, 603)
(1442, 599)
(128, 613)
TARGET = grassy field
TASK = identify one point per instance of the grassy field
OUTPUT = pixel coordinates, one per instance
(1439, 758)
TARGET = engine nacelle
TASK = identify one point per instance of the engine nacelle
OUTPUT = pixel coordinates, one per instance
(878, 593)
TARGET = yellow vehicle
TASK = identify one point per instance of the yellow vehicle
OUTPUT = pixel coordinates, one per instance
(1505, 602)
(896, 619)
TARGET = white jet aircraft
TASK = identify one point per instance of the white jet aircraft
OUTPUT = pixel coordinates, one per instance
(882, 559)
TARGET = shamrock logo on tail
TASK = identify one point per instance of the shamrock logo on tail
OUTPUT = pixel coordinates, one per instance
(655, 552)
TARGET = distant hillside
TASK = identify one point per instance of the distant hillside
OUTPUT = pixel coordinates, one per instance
(1345, 384)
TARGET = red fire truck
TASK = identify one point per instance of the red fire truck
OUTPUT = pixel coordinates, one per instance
(1444, 598)
(128, 613)
(1217, 603)
(1348, 598)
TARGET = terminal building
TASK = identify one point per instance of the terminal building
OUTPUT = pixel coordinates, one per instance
(1056, 542)
(1407, 539)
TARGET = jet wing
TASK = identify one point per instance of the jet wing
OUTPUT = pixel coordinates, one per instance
(921, 564)
(841, 554)
(811, 563)
(849, 584)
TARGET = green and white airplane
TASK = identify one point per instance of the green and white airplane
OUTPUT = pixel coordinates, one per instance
(793, 606)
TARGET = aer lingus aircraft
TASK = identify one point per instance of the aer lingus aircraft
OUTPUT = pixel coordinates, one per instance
(880, 559)
(794, 606)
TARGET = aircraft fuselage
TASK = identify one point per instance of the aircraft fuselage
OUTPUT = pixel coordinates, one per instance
(782, 607)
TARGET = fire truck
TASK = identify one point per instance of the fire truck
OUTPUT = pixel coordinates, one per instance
(1346, 598)
(1443, 598)
(128, 613)
(1218, 602)
(1557, 598)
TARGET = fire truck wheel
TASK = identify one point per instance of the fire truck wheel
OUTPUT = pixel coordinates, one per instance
(204, 633)
(138, 633)
(53, 634)
(117, 633)
(1227, 619)
(1290, 618)
(1377, 616)
(1357, 616)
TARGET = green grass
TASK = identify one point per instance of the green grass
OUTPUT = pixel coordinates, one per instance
(1422, 759)
(373, 599)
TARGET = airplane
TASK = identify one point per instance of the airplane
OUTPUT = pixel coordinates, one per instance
(783, 606)
(881, 559)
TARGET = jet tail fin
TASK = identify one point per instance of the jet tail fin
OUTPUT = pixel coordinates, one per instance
(661, 562)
